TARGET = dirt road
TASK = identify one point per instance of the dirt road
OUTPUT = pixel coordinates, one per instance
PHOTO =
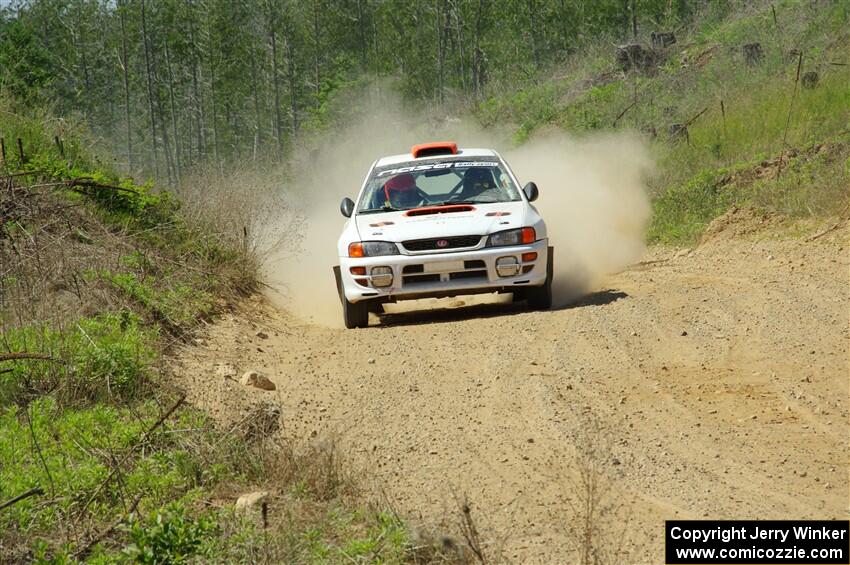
(719, 376)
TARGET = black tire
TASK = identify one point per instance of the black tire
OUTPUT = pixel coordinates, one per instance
(540, 297)
(355, 315)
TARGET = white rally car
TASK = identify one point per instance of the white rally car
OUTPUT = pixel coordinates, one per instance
(441, 221)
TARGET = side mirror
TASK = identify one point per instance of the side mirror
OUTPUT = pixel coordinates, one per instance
(531, 191)
(346, 207)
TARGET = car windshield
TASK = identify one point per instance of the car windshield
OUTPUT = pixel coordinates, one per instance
(405, 186)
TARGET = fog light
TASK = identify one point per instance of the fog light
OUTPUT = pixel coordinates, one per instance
(507, 266)
(382, 276)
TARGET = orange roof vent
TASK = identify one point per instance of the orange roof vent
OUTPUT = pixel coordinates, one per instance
(434, 148)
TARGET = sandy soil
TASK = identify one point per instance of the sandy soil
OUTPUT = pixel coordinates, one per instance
(718, 375)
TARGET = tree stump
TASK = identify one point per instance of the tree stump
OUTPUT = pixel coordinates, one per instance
(662, 39)
(635, 56)
(678, 132)
(753, 54)
(810, 79)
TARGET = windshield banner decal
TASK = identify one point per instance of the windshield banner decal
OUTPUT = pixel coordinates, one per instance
(432, 166)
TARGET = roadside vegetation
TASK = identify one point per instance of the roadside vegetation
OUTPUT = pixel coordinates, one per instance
(770, 133)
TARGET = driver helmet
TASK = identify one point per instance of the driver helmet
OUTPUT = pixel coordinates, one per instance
(477, 180)
(401, 191)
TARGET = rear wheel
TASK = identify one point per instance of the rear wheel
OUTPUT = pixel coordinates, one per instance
(540, 297)
(355, 314)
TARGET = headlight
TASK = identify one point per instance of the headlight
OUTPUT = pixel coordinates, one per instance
(372, 249)
(512, 237)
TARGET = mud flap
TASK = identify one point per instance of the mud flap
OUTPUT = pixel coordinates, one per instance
(338, 277)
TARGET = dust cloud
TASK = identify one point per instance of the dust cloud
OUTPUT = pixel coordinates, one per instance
(592, 197)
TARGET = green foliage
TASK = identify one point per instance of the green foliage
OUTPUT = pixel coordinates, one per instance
(813, 181)
(25, 65)
(177, 305)
(169, 536)
(681, 213)
(108, 356)
(67, 453)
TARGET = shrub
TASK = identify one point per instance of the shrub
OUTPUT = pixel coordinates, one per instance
(169, 536)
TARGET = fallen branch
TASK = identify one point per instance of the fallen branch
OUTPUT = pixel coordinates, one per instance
(89, 183)
(623, 113)
(822, 233)
(14, 356)
(692, 120)
(22, 496)
(143, 439)
(82, 182)
(684, 126)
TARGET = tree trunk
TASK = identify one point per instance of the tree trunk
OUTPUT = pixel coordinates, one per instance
(293, 90)
(258, 123)
(532, 17)
(150, 90)
(126, 74)
(278, 125)
(197, 92)
(177, 171)
(214, 103)
(441, 51)
(634, 20)
(565, 36)
(478, 56)
(361, 29)
(317, 47)
(460, 44)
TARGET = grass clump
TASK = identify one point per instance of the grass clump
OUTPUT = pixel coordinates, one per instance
(106, 357)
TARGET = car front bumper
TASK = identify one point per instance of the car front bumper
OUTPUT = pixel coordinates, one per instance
(443, 274)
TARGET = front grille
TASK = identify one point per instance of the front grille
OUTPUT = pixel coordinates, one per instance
(451, 243)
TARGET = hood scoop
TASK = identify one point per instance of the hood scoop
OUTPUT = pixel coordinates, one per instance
(440, 210)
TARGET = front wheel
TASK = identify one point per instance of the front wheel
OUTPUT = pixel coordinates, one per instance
(356, 314)
(540, 297)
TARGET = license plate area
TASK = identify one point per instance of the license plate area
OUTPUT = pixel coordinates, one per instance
(443, 266)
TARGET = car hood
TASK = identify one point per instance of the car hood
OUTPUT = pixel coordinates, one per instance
(448, 221)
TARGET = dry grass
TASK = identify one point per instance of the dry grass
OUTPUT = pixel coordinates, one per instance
(64, 258)
(599, 528)
(47, 244)
(243, 206)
